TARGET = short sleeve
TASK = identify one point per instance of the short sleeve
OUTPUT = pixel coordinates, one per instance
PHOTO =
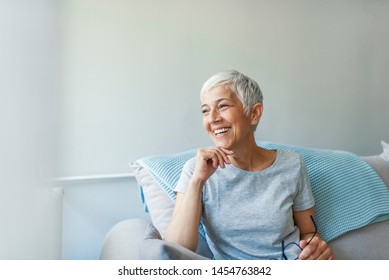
(304, 198)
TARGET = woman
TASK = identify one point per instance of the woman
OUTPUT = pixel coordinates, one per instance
(254, 203)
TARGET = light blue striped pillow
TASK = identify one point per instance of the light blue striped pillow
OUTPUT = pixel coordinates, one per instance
(348, 192)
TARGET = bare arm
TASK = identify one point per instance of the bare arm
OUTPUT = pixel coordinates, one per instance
(183, 227)
(185, 221)
(314, 248)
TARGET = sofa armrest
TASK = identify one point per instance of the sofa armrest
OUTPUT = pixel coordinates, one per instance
(157, 249)
(366, 243)
(124, 240)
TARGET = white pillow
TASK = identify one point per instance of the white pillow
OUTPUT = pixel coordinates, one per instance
(159, 205)
(385, 153)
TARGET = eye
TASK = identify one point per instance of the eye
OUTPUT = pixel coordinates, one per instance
(223, 106)
(204, 111)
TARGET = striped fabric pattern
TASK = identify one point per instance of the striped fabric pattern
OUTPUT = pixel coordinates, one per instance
(348, 192)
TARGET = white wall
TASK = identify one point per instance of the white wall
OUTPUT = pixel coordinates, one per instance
(132, 71)
(30, 206)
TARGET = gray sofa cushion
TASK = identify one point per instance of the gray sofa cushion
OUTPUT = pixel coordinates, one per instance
(154, 248)
(124, 240)
(380, 166)
(367, 243)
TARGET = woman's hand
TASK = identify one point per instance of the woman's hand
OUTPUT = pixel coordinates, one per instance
(208, 160)
(316, 249)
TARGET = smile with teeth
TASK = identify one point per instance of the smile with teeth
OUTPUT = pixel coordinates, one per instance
(221, 130)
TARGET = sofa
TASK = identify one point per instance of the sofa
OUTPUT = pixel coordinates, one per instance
(351, 193)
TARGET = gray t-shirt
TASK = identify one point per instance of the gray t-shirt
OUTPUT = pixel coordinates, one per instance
(249, 215)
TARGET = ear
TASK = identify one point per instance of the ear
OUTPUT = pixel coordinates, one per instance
(256, 113)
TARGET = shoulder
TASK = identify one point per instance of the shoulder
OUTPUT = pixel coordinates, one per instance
(290, 159)
(288, 156)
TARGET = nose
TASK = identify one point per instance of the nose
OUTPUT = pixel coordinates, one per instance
(214, 116)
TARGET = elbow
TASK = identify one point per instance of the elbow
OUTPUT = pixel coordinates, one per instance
(188, 243)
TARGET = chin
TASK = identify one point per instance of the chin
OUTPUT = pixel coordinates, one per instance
(224, 145)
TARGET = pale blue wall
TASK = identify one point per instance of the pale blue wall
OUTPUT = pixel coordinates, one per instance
(132, 71)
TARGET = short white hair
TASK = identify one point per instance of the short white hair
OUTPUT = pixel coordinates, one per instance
(245, 88)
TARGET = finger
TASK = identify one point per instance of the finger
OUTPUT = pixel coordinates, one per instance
(201, 153)
(207, 158)
(229, 152)
(321, 246)
(217, 156)
(310, 253)
(303, 243)
(215, 160)
(207, 155)
(326, 255)
(325, 250)
(306, 253)
(321, 251)
(314, 256)
(220, 156)
(309, 250)
(223, 157)
(225, 153)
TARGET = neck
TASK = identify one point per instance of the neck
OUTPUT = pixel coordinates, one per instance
(252, 158)
(245, 159)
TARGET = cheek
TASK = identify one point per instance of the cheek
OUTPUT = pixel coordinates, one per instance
(205, 124)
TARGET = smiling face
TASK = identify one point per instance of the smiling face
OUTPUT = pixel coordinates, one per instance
(224, 118)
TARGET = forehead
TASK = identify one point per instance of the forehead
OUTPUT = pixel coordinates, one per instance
(217, 94)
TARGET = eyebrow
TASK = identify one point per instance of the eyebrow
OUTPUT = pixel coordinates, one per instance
(217, 101)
